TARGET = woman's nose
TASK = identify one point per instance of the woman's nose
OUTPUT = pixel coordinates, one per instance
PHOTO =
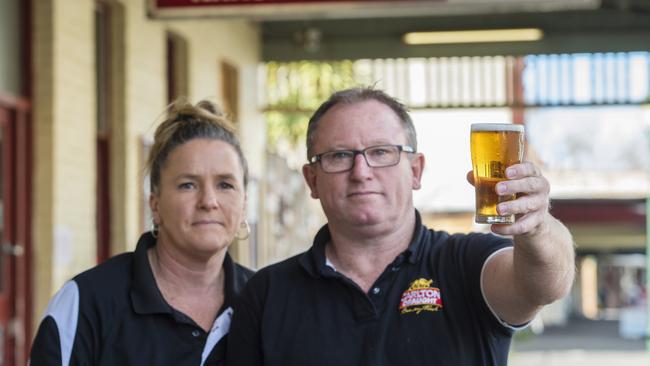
(208, 199)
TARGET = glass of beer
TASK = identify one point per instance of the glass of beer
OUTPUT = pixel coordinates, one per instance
(495, 146)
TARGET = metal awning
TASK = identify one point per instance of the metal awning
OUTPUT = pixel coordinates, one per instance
(577, 26)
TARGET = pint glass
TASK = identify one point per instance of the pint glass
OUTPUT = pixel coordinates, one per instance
(495, 146)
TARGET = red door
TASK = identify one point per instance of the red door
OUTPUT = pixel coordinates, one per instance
(15, 187)
(7, 237)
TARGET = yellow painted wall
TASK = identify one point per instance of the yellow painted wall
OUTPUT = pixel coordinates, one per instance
(64, 143)
(65, 121)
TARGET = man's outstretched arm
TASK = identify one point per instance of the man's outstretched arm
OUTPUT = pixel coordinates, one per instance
(541, 268)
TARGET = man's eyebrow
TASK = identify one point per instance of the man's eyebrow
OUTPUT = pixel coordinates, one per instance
(371, 144)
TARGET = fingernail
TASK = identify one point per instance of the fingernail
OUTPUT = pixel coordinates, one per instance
(501, 188)
(511, 172)
(502, 209)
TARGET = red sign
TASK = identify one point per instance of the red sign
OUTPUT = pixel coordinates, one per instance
(193, 3)
(289, 9)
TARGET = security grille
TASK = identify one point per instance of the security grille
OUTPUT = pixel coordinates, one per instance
(467, 82)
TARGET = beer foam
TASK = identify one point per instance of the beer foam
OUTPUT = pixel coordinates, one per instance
(497, 127)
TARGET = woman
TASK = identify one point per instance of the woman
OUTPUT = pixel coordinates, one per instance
(167, 303)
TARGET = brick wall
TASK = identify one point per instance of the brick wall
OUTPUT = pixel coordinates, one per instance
(64, 138)
(65, 121)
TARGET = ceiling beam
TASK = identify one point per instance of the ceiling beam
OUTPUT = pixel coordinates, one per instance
(602, 30)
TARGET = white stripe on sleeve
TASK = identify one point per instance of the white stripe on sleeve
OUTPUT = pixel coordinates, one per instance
(64, 309)
(503, 323)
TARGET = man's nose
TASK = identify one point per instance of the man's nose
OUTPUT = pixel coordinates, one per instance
(360, 167)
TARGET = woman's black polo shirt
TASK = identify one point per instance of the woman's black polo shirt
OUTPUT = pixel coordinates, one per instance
(114, 314)
(426, 308)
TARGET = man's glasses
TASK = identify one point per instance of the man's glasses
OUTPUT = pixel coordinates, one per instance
(380, 156)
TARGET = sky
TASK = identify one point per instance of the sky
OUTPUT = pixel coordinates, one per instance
(586, 150)
(596, 152)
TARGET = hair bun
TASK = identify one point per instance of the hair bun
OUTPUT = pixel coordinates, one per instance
(210, 107)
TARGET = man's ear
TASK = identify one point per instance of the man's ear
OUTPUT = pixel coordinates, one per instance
(417, 167)
(310, 178)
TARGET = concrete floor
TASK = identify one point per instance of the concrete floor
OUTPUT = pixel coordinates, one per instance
(579, 343)
(579, 358)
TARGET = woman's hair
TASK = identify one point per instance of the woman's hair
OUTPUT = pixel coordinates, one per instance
(185, 122)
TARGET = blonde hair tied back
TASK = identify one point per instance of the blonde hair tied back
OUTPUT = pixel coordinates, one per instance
(184, 122)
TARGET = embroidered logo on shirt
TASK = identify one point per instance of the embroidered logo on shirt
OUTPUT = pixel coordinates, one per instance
(419, 297)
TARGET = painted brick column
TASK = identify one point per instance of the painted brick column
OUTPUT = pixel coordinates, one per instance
(64, 144)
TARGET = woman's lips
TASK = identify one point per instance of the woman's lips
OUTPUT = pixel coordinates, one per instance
(206, 222)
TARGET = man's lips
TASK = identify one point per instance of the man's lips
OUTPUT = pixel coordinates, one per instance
(362, 193)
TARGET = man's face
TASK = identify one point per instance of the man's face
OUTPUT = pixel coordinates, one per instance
(364, 199)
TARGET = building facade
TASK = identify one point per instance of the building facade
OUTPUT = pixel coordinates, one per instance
(81, 92)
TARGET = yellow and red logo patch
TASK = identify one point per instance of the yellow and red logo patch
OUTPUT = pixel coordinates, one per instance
(419, 297)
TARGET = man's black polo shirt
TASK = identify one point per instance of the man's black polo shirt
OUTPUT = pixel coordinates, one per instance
(426, 308)
(114, 314)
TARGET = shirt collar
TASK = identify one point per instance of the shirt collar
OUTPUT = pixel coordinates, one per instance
(145, 294)
(314, 260)
(414, 251)
(232, 283)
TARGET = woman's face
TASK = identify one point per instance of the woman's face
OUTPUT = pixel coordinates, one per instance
(201, 197)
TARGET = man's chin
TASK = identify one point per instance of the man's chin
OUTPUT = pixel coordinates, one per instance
(366, 217)
(366, 220)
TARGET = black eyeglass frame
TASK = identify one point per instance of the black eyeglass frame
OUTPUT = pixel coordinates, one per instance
(402, 148)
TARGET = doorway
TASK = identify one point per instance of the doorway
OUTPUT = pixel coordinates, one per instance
(15, 188)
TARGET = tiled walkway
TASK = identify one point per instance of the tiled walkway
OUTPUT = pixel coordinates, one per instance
(580, 343)
(579, 358)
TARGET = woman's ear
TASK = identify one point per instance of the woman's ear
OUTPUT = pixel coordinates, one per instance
(245, 206)
(153, 205)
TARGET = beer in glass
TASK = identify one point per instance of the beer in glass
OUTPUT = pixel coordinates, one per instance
(494, 146)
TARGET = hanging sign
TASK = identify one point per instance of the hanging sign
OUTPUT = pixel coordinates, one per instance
(286, 9)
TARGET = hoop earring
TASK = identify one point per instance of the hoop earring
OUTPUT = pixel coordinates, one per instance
(154, 230)
(247, 231)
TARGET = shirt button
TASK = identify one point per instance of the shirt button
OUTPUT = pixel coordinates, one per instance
(195, 333)
(376, 290)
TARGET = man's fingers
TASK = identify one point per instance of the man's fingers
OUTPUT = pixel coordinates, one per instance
(529, 185)
(524, 224)
(470, 177)
(523, 205)
(522, 170)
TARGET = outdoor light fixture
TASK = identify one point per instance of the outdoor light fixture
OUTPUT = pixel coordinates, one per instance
(474, 36)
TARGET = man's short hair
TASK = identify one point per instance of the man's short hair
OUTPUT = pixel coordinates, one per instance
(356, 95)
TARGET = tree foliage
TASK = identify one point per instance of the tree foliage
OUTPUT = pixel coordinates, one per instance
(294, 90)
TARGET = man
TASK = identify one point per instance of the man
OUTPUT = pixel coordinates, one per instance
(377, 287)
